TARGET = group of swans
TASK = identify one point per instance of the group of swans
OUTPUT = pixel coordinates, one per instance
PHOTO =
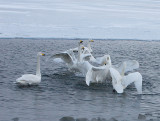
(84, 60)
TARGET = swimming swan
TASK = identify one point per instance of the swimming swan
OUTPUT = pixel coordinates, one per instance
(31, 79)
(120, 82)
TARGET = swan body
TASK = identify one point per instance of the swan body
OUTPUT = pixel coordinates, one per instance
(120, 82)
(31, 79)
(99, 74)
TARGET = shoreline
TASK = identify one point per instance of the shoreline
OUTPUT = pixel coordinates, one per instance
(52, 38)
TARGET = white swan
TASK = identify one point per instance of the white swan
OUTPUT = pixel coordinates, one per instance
(30, 79)
(120, 82)
(73, 63)
(89, 46)
(99, 74)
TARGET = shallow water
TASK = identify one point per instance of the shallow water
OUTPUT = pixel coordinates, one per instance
(61, 93)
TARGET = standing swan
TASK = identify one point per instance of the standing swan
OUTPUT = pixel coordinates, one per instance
(31, 79)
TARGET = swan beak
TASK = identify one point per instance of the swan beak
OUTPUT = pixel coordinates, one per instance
(81, 41)
(43, 54)
(92, 40)
(105, 63)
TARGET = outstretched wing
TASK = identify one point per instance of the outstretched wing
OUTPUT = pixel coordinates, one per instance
(135, 77)
(116, 80)
(64, 56)
(130, 66)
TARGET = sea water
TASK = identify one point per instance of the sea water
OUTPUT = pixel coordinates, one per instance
(62, 93)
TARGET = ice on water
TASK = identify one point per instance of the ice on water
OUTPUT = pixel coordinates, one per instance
(107, 19)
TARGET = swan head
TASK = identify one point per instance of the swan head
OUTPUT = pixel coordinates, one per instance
(80, 41)
(91, 40)
(40, 53)
(107, 59)
(82, 48)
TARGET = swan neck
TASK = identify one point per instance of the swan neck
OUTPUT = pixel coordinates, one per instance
(38, 72)
(123, 70)
(110, 63)
(79, 52)
(89, 46)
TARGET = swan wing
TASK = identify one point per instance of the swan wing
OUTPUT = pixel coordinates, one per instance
(83, 67)
(64, 56)
(135, 77)
(86, 50)
(99, 60)
(116, 80)
(97, 74)
(89, 77)
(86, 57)
(130, 66)
(101, 68)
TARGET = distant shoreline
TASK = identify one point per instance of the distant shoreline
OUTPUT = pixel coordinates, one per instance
(107, 39)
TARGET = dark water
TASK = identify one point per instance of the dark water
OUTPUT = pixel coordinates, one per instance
(61, 93)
